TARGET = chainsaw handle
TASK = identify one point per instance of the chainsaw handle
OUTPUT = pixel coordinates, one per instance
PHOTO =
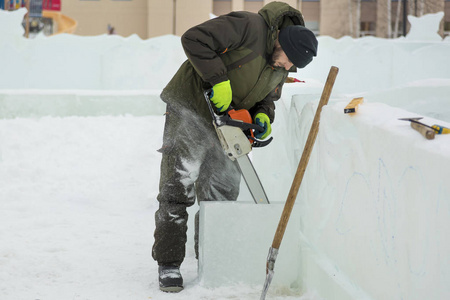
(249, 126)
(225, 118)
(244, 125)
(213, 110)
(260, 143)
(230, 121)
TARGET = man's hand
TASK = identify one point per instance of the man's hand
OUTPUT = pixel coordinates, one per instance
(222, 95)
(262, 120)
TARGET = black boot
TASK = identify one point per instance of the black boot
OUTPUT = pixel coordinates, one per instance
(170, 279)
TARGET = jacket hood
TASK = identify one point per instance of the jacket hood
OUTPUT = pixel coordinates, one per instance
(279, 15)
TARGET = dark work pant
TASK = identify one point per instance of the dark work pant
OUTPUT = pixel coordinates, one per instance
(193, 166)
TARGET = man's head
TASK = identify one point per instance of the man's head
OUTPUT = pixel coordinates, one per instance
(279, 58)
(298, 43)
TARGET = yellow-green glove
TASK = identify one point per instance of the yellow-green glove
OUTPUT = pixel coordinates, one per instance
(262, 120)
(221, 95)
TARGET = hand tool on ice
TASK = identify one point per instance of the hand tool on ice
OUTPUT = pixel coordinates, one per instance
(438, 129)
(289, 205)
(427, 131)
(235, 131)
(352, 107)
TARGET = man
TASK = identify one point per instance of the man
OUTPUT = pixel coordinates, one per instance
(245, 59)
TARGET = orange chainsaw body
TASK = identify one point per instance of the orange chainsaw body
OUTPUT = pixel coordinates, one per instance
(244, 116)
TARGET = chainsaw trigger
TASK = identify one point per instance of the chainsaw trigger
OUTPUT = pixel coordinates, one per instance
(260, 143)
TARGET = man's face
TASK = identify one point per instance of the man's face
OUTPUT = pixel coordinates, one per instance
(279, 58)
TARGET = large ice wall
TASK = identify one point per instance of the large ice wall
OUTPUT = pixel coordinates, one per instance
(375, 206)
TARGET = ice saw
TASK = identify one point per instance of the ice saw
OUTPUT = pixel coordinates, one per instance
(235, 131)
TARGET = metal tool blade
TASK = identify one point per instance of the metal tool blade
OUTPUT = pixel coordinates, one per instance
(269, 277)
(252, 180)
(271, 258)
(416, 120)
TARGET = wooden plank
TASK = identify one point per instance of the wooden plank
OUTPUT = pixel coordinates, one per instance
(352, 107)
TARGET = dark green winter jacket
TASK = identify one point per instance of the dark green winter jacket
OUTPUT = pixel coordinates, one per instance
(237, 46)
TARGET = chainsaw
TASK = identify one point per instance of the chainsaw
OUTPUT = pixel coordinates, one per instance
(235, 131)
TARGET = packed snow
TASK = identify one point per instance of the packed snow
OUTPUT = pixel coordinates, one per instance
(79, 180)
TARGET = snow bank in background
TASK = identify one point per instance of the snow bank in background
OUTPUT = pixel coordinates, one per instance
(428, 97)
(113, 62)
(423, 27)
(68, 61)
(63, 103)
(372, 64)
(371, 67)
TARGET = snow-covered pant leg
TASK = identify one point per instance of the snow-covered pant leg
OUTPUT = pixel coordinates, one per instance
(219, 180)
(193, 163)
(176, 191)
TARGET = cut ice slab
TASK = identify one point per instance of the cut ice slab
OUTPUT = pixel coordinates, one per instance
(234, 241)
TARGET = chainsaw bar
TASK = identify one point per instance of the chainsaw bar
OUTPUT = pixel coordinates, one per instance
(252, 180)
(236, 145)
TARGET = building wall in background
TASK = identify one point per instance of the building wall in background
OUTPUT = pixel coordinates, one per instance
(190, 13)
(334, 20)
(94, 16)
(176, 16)
(160, 18)
(221, 7)
(311, 15)
(253, 6)
(151, 18)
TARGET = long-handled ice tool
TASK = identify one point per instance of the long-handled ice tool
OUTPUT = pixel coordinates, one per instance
(273, 251)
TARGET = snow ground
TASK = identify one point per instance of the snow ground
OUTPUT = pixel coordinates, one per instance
(78, 198)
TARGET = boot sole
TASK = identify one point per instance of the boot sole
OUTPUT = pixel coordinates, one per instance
(171, 289)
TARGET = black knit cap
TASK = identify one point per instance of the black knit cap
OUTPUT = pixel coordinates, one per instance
(299, 43)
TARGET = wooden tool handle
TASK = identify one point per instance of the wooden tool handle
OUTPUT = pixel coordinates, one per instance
(427, 132)
(289, 205)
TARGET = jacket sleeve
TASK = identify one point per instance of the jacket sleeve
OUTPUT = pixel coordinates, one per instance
(204, 43)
